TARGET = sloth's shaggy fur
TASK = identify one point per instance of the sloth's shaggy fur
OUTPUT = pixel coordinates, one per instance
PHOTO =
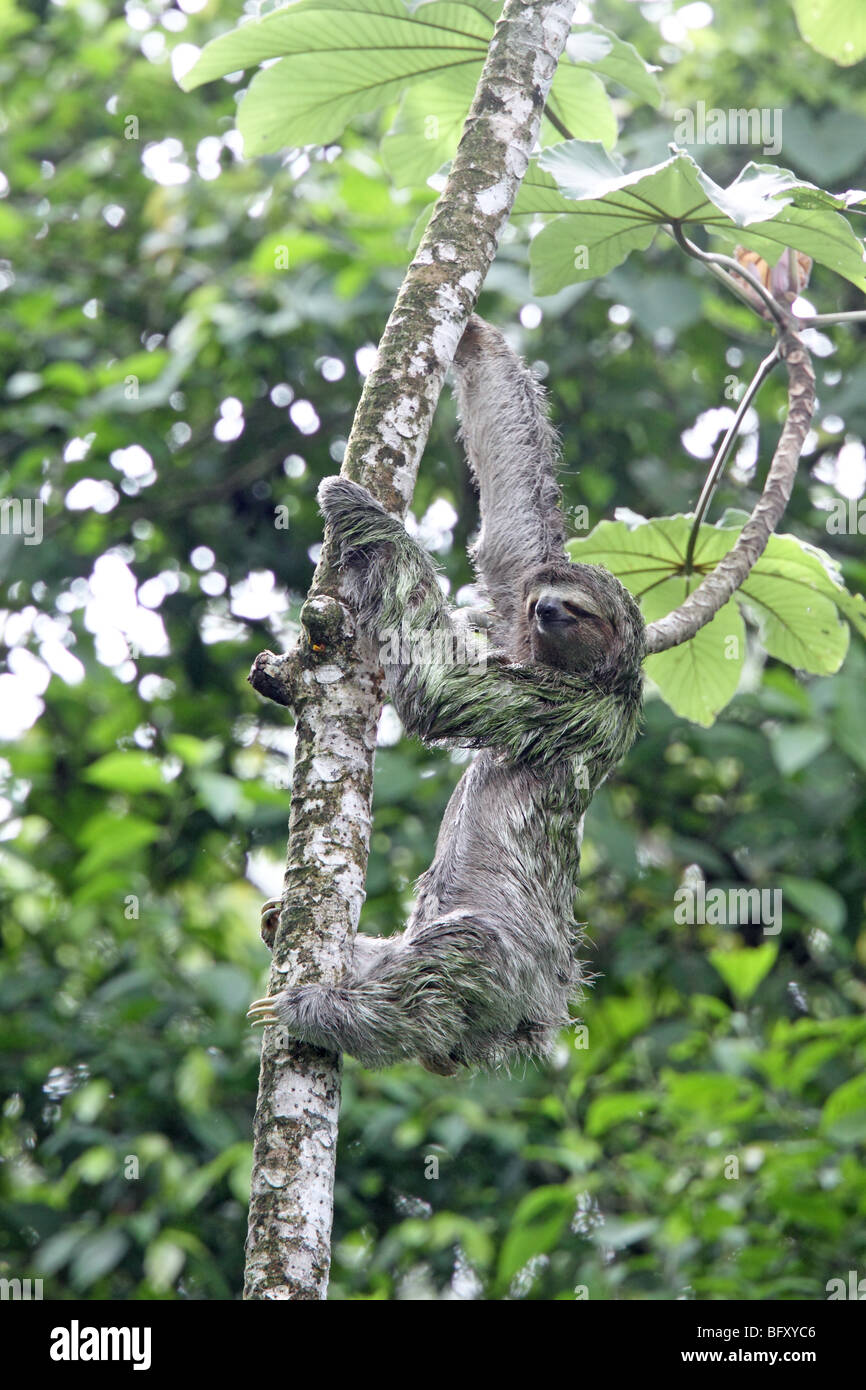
(486, 966)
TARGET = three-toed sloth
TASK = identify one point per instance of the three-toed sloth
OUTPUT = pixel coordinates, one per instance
(487, 965)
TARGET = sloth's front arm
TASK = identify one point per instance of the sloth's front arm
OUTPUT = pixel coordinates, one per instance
(531, 712)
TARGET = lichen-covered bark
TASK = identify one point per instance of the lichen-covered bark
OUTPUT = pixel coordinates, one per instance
(711, 595)
(337, 697)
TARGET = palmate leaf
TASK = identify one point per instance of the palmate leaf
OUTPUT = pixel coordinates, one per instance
(794, 595)
(796, 603)
(606, 214)
(330, 60)
(579, 101)
(699, 677)
(337, 58)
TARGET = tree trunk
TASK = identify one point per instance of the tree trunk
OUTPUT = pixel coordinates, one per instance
(337, 698)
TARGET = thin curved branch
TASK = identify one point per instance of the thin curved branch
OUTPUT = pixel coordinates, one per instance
(717, 466)
(336, 692)
(702, 605)
(826, 320)
(722, 266)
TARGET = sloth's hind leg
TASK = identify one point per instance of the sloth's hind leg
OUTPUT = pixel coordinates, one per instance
(428, 998)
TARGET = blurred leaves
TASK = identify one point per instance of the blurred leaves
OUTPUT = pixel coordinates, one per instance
(699, 1141)
(743, 971)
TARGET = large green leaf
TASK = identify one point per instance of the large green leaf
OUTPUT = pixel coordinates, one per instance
(793, 593)
(697, 678)
(539, 192)
(574, 249)
(330, 60)
(795, 603)
(427, 128)
(613, 214)
(337, 58)
(580, 103)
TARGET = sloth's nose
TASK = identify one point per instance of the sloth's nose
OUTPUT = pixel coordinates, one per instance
(549, 610)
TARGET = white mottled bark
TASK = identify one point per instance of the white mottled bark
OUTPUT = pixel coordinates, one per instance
(336, 696)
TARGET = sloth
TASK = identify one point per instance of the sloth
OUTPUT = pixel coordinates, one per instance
(487, 965)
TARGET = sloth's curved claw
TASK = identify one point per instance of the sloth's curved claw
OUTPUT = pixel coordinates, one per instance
(262, 1011)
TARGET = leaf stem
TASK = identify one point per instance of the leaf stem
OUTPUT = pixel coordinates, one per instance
(717, 467)
(722, 265)
(716, 588)
(558, 124)
(817, 320)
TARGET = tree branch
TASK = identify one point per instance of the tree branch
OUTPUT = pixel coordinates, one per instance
(337, 695)
(701, 606)
(826, 320)
(276, 677)
(717, 467)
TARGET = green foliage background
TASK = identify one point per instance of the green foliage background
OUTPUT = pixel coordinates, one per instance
(122, 1036)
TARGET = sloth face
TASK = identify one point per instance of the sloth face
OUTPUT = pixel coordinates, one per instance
(573, 617)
